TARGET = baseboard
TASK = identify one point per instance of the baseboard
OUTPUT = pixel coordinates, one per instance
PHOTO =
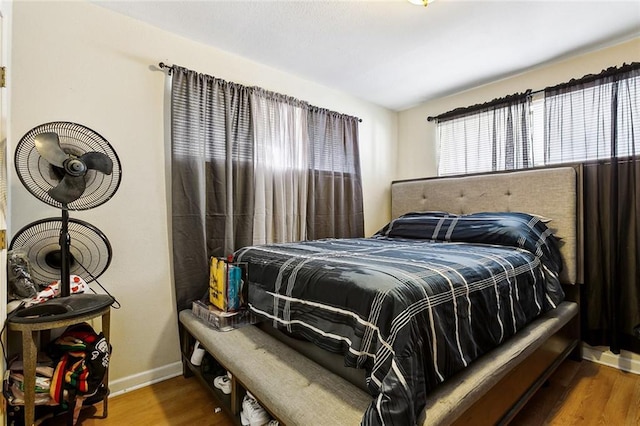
(146, 378)
(626, 361)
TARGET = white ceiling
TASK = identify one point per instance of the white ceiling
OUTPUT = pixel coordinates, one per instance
(393, 53)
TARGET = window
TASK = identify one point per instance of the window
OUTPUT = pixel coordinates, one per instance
(592, 121)
(491, 139)
(575, 122)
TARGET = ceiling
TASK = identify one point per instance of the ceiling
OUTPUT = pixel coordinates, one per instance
(393, 53)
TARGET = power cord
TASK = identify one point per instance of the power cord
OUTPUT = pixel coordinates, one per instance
(115, 304)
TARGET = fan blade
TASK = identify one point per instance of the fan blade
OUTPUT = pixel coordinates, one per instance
(48, 146)
(69, 189)
(97, 161)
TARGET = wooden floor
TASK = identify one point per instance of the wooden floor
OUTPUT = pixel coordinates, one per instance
(178, 401)
(585, 393)
(579, 393)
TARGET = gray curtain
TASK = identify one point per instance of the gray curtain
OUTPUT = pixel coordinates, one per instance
(598, 117)
(336, 209)
(250, 165)
(212, 176)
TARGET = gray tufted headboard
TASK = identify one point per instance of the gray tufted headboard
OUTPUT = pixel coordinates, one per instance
(552, 193)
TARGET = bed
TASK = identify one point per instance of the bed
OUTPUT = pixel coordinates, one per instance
(468, 335)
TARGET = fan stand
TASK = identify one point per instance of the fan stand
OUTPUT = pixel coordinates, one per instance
(78, 303)
(65, 250)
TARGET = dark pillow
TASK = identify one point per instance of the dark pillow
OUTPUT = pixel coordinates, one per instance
(511, 229)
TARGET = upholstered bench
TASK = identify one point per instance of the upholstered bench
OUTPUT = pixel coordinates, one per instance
(294, 389)
(298, 391)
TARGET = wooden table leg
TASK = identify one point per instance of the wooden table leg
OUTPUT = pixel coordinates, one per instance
(30, 332)
(106, 329)
(30, 357)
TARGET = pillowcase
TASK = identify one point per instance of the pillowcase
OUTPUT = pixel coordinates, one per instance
(511, 229)
(541, 218)
(412, 225)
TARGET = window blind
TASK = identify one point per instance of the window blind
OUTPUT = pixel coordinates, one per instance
(493, 139)
(595, 120)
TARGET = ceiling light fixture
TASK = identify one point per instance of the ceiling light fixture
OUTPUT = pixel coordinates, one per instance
(424, 3)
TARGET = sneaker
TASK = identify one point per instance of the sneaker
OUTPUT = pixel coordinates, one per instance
(252, 413)
(273, 423)
(223, 383)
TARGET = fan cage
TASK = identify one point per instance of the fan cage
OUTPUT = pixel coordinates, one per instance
(39, 176)
(90, 249)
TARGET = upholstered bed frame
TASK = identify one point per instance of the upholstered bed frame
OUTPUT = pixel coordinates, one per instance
(493, 388)
(551, 193)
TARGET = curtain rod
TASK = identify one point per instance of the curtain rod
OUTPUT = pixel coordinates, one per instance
(162, 65)
(473, 108)
(582, 80)
(609, 72)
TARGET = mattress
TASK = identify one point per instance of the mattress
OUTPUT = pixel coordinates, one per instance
(410, 311)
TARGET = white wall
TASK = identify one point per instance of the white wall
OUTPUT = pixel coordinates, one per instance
(417, 137)
(76, 61)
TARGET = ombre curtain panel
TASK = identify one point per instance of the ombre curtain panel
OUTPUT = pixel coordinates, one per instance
(249, 166)
(212, 176)
(336, 209)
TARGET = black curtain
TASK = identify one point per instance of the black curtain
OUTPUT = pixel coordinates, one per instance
(598, 117)
(611, 303)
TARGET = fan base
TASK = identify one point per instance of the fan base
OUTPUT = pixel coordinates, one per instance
(61, 308)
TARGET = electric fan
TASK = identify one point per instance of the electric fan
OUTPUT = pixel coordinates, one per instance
(71, 167)
(89, 251)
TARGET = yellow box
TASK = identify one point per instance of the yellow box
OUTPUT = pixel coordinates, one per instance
(218, 283)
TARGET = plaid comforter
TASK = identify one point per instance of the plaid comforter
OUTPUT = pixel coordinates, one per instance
(412, 312)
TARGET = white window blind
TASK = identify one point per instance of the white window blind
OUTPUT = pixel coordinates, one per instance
(593, 121)
(493, 139)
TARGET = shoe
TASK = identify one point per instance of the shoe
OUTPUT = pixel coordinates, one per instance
(273, 423)
(252, 413)
(223, 383)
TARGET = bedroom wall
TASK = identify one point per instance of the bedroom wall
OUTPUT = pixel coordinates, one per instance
(417, 137)
(79, 62)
